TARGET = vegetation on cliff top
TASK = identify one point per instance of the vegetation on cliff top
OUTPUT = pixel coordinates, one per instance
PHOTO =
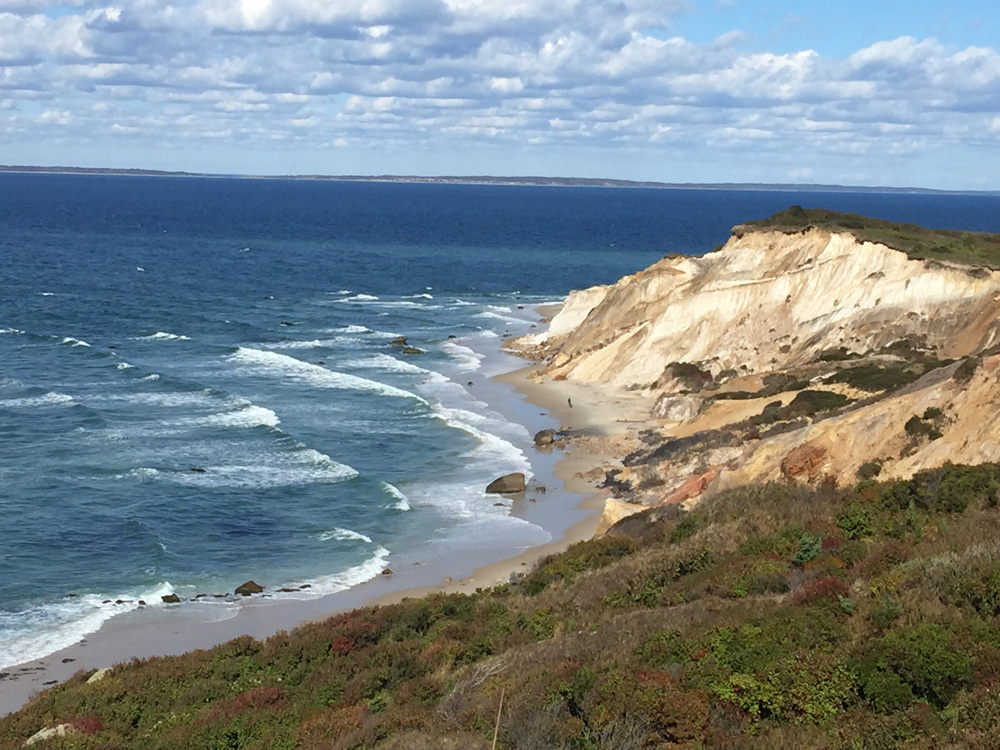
(770, 617)
(969, 248)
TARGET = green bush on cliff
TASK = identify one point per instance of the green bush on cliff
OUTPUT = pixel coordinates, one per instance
(970, 248)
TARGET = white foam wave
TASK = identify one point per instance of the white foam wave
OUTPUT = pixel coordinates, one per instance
(493, 451)
(343, 535)
(462, 303)
(14, 331)
(360, 298)
(46, 294)
(408, 304)
(418, 296)
(314, 344)
(50, 627)
(165, 399)
(402, 501)
(163, 336)
(289, 470)
(465, 358)
(248, 416)
(489, 314)
(346, 579)
(353, 329)
(125, 366)
(74, 342)
(295, 369)
(46, 399)
(390, 364)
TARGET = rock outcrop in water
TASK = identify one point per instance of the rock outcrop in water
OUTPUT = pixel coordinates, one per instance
(797, 356)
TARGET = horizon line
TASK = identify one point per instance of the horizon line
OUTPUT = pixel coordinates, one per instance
(500, 180)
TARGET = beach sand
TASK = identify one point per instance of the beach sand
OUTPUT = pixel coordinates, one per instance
(575, 464)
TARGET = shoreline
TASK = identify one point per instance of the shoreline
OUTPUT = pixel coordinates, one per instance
(168, 631)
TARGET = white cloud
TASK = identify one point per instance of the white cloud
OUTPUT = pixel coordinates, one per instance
(445, 74)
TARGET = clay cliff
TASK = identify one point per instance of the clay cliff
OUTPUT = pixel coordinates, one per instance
(803, 356)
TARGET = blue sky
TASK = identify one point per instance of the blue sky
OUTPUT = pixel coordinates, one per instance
(891, 93)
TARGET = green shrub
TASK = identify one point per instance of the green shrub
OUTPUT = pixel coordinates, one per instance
(807, 403)
(928, 660)
(965, 371)
(580, 557)
(887, 692)
(885, 612)
(869, 470)
(856, 521)
(874, 379)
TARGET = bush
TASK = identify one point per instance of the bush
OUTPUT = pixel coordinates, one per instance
(855, 521)
(580, 557)
(869, 470)
(807, 403)
(874, 379)
(965, 371)
(927, 659)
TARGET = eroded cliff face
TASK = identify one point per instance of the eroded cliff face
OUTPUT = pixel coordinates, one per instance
(767, 301)
(807, 357)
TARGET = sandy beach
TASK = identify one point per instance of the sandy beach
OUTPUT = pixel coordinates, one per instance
(563, 497)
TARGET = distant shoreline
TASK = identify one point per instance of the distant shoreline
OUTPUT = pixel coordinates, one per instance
(522, 181)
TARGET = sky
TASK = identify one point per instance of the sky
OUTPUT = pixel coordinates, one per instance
(853, 92)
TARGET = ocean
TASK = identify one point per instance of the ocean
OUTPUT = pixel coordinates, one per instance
(200, 382)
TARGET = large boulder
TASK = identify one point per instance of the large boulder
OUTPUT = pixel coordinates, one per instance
(545, 437)
(170, 599)
(248, 588)
(58, 730)
(99, 675)
(677, 408)
(507, 484)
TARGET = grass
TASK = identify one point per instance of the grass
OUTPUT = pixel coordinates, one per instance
(978, 249)
(771, 617)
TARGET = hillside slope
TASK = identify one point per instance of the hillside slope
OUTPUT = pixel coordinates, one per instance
(791, 353)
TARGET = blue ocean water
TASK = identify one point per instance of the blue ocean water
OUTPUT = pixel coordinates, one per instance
(198, 384)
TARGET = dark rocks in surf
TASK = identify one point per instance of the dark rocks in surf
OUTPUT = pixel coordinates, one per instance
(288, 323)
(545, 437)
(387, 572)
(248, 588)
(197, 470)
(412, 350)
(398, 341)
(507, 484)
(171, 599)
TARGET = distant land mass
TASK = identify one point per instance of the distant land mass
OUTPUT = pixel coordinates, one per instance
(496, 180)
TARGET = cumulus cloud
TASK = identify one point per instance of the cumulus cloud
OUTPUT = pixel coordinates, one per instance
(443, 73)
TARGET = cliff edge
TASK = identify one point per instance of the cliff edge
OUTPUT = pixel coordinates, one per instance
(806, 353)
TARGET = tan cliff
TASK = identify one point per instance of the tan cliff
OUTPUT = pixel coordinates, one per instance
(817, 311)
(764, 302)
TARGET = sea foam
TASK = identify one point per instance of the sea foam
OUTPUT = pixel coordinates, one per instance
(272, 363)
(52, 626)
(343, 535)
(163, 336)
(465, 358)
(351, 577)
(402, 501)
(46, 399)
